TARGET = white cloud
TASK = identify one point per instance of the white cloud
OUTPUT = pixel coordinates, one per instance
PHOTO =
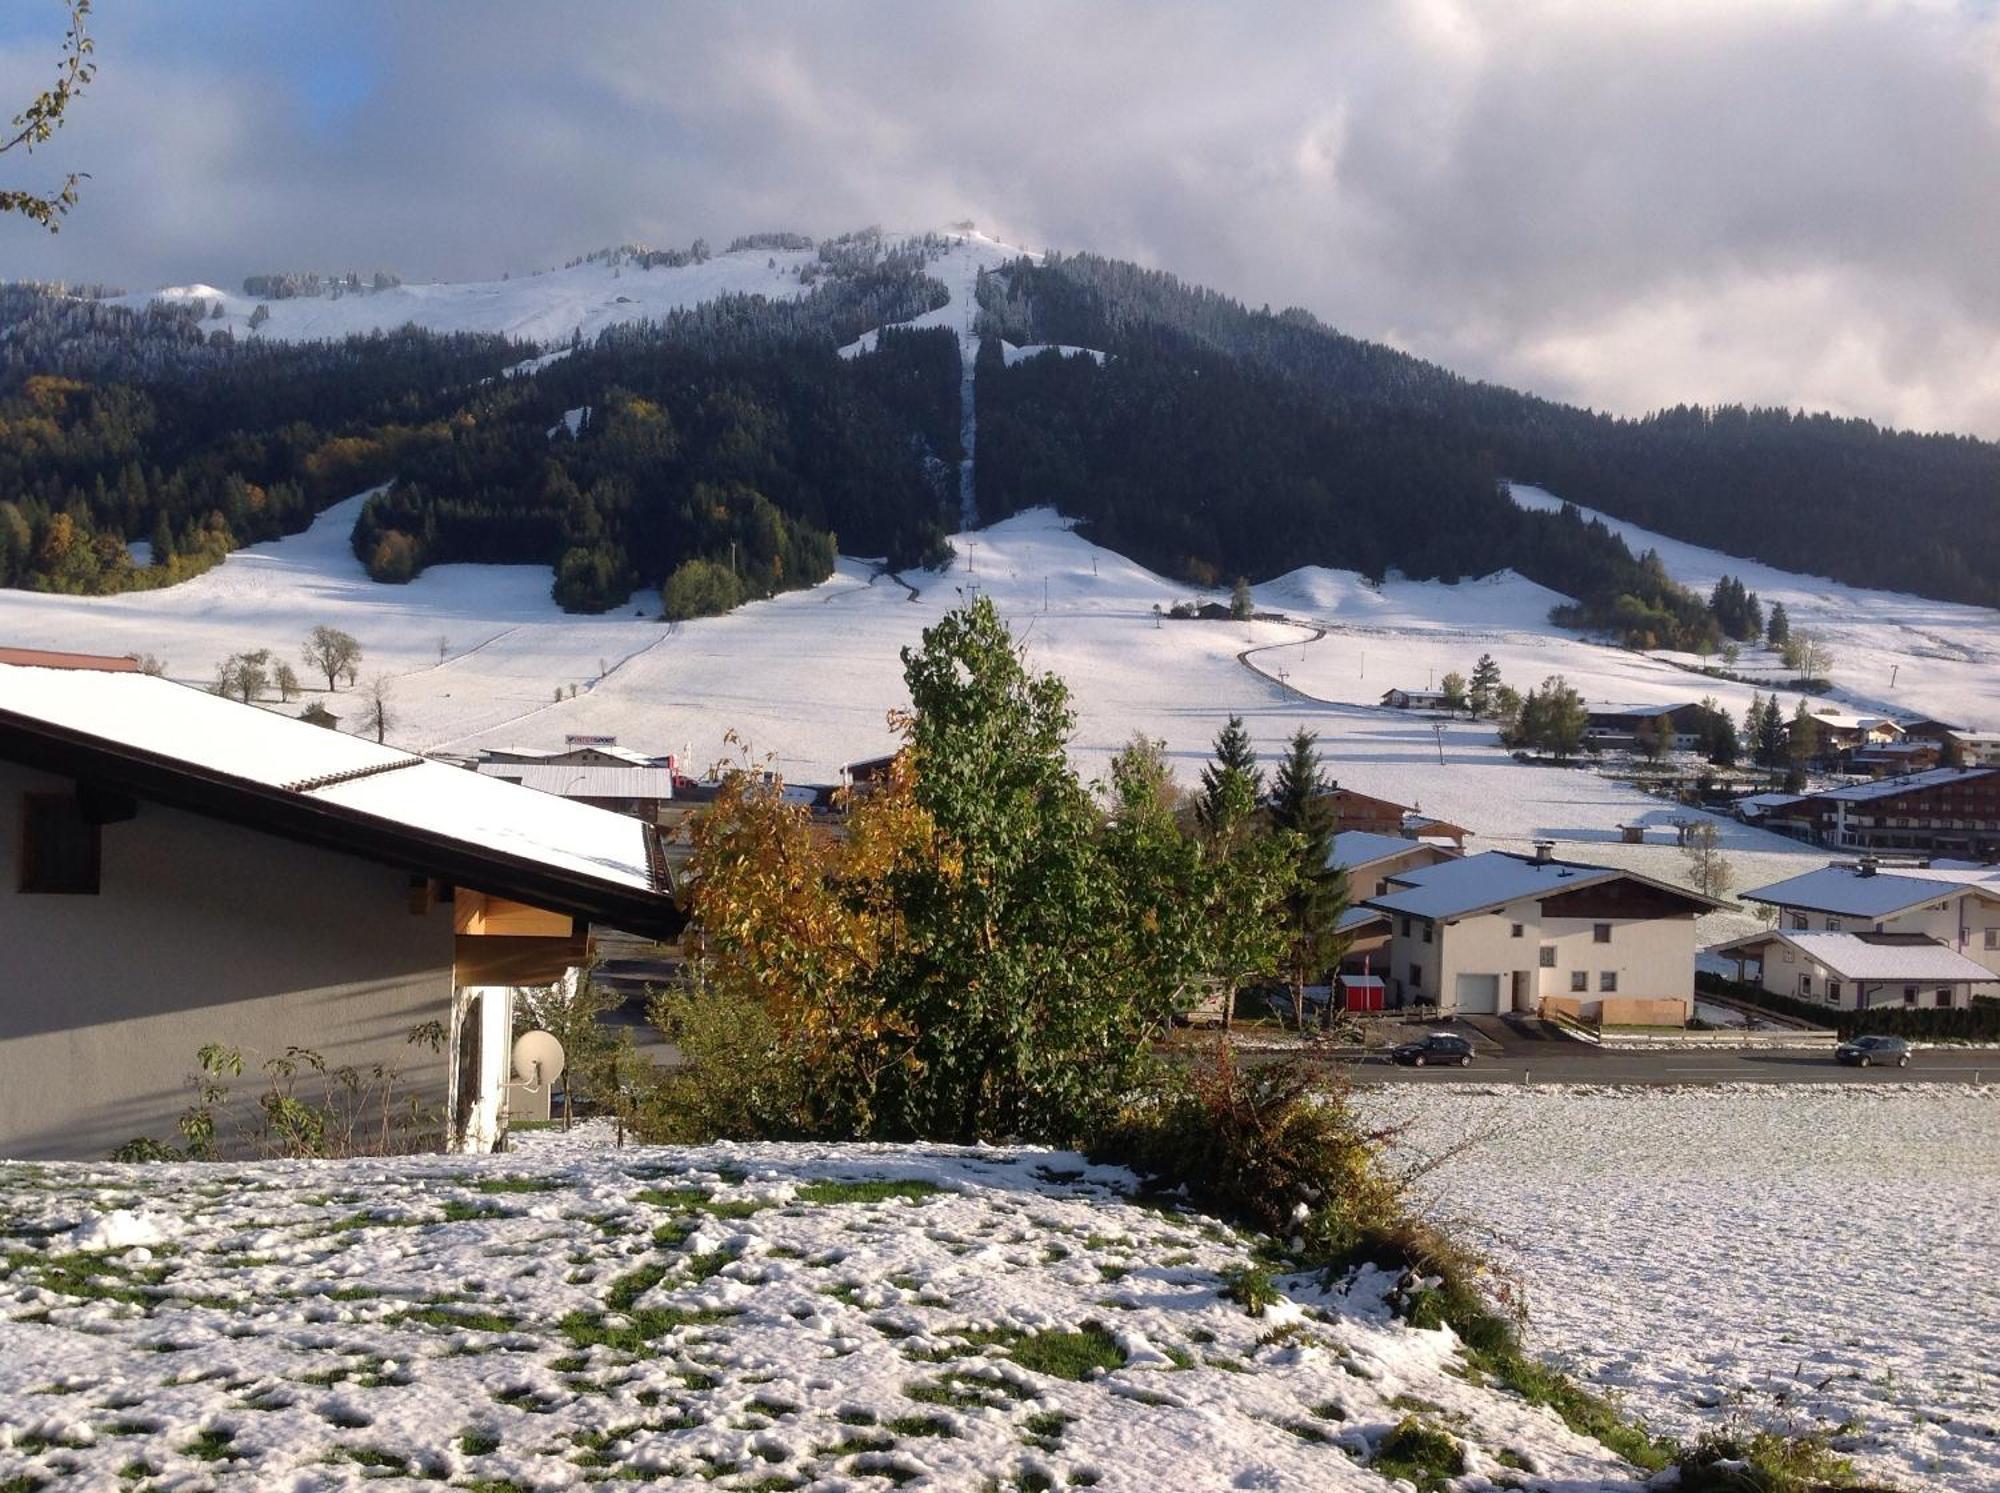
(1624, 206)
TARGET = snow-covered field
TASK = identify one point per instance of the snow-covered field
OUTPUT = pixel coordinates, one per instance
(547, 307)
(1810, 1257)
(735, 1317)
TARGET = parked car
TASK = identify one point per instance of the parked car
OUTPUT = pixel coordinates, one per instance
(1434, 1047)
(1864, 1052)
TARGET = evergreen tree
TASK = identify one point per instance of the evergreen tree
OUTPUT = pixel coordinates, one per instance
(1485, 680)
(1718, 734)
(1802, 742)
(1778, 631)
(1232, 783)
(1240, 602)
(1302, 809)
(1772, 748)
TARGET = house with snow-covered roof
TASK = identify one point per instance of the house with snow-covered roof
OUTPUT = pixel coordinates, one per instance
(1621, 725)
(1859, 971)
(1498, 932)
(177, 869)
(1945, 811)
(1956, 907)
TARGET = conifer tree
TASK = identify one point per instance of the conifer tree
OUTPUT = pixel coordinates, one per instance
(1232, 783)
(1301, 808)
(1485, 680)
(1778, 631)
(1240, 603)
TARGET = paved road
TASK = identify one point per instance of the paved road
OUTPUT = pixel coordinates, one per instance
(1575, 1063)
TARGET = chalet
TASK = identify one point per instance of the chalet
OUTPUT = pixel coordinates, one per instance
(1619, 726)
(1499, 932)
(1957, 907)
(1372, 861)
(1975, 748)
(1841, 731)
(577, 751)
(1419, 826)
(1945, 811)
(1365, 812)
(1859, 971)
(1886, 759)
(641, 792)
(1416, 699)
(177, 869)
(1927, 728)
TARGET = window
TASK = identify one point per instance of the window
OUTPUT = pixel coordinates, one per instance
(1517, 931)
(1909, 995)
(1607, 982)
(59, 847)
(1429, 928)
(1941, 997)
(1993, 938)
(1805, 984)
(1406, 927)
(1548, 956)
(1579, 981)
(1416, 977)
(1833, 925)
(1833, 992)
(1800, 922)
(1382, 888)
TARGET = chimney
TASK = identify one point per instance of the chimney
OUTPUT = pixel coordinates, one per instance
(1865, 866)
(1543, 848)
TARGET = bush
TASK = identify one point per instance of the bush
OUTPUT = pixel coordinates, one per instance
(1761, 1462)
(1421, 1453)
(699, 588)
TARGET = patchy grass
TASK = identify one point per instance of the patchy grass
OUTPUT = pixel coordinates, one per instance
(1069, 1355)
(1420, 1454)
(866, 1192)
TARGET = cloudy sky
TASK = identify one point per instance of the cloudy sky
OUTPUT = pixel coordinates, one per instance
(1620, 204)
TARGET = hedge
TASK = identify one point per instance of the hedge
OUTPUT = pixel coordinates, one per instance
(1978, 1023)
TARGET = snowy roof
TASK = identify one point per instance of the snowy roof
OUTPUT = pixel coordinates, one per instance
(288, 777)
(1494, 878)
(1769, 800)
(583, 780)
(1842, 721)
(1360, 847)
(1843, 889)
(1872, 956)
(1638, 710)
(1358, 917)
(1937, 777)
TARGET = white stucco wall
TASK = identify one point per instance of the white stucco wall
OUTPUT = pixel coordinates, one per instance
(1650, 956)
(201, 932)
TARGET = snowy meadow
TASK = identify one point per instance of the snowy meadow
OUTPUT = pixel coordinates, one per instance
(1811, 1258)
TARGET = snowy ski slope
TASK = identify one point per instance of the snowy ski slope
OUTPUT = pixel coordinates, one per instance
(547, 307)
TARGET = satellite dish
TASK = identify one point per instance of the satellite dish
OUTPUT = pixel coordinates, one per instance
(538, 1059)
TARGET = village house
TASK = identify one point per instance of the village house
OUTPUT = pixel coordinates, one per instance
(1956, 907)
(1498, 932)
(1975, 748)
(1416, 699)
(1945, 811)
(1859, 971)
(643, 792)
(177, 869)
(1885, 759)
(1619, 726)
(1372, 861)
(1842, 731)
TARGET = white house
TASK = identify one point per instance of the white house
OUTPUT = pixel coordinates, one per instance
(177, 869)
(1498, 932)
(1859, 971)
(1416, 699)
(1957, 907)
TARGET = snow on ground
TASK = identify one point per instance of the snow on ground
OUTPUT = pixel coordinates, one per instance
(1010, 354)
(550, 306)
(734, 1317)
(1940, 655)
(807, 678)
(1805, 1257)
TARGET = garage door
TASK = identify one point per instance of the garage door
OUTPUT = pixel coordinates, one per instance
(1478, 995)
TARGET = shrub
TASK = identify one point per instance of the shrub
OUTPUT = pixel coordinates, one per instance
(699, 588)
(1761, 1462)
(1421, 1453)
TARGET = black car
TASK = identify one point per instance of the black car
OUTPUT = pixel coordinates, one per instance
(1434, 1047)
(1865, 1052)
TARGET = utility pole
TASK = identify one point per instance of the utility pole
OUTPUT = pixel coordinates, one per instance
(1894, 669)
(1437, 729)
